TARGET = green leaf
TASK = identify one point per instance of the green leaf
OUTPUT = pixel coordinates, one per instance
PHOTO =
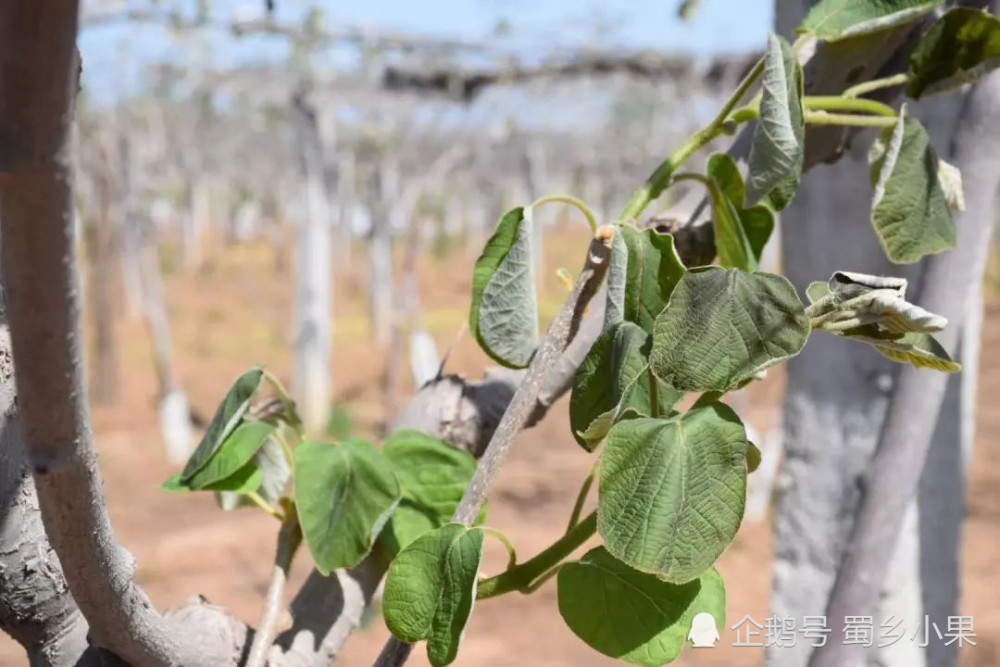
(272, 466)
(653, 270)
(614, 310)
(232, 454)
(778, 146)
(224, 422)
(672, 491)
(430, 589)
(918, 349)
(615, 377)
(344, 494)
(910, 213)
(959, 48)
(631, 615)
(723, 326)
(433, 476)
(740, 233)
(504, 313)
(832, 20)
(246, 479)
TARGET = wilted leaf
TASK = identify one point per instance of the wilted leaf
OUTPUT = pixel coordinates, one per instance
(344, 494)
(880, 300)
(817, 290)
(778, 147)
(224, 422)
(430, 589)
(832, 20)
(631, 615)
(909, 210)
(959, 48)
(725, 325)
(672, 491)
(615, 377)
(918, 349)
(433, 476)
(950, 178)
(504, 313)
(653, 270)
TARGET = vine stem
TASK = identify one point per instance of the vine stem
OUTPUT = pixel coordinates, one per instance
(660, 178)
(825, 118)
(522, 577)
(877, 84)
(289, 539)
(279, 389)
(574, 202)
(505, 541)
(581, 497)
(834, 103)
(561, 332)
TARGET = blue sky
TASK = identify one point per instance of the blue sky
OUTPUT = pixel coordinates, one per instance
(115, 55)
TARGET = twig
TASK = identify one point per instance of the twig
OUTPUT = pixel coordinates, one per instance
(289, 539)
(557, 338)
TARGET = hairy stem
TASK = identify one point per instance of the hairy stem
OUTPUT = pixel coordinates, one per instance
(877, 84)
(522, 577)
(572, 201)
(289, 539)
(834, 103)
(826, 118)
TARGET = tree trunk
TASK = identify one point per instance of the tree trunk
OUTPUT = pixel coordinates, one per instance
(101, 265)
(314, 289)
(384, 190)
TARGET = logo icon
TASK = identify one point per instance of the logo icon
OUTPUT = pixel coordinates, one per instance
(703, 632)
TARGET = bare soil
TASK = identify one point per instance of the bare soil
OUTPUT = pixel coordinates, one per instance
(236, 311)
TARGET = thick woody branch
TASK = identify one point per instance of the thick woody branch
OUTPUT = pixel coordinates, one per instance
(895, 470)
(289, 539)
(38, 67)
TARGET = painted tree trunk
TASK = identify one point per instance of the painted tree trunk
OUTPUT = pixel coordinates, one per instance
(101, 247)
(314, 289)
(384, 191)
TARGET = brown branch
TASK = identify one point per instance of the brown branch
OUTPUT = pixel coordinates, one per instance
(464, 84)
(561, 332)
(289, 539)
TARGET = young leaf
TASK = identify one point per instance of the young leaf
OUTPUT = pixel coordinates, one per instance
(816, 291)
(433, 477)
(740, 233)
(615, 377)
(832, 20)
(672, 491)
(753, 457)
(631, 615)
(725, 325)
(224, 422)
(344, 494)
(882, 301)
(653, 270)
(959, 48)
(430, 589)
(504, 313)
(273, 473)
(909, 210)
(614, 310)
(232, 454)
(778, 146)
(950, 178)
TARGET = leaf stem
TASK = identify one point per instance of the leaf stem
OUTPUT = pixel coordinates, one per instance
(522, 577)
(877, 84)
(581, 498)
(264, 505)
(503, 539)
(835, 103)
(825, 118)
(572, 201)
(285, 448)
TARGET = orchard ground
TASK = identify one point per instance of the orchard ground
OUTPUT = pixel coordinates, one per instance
(236, 310)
